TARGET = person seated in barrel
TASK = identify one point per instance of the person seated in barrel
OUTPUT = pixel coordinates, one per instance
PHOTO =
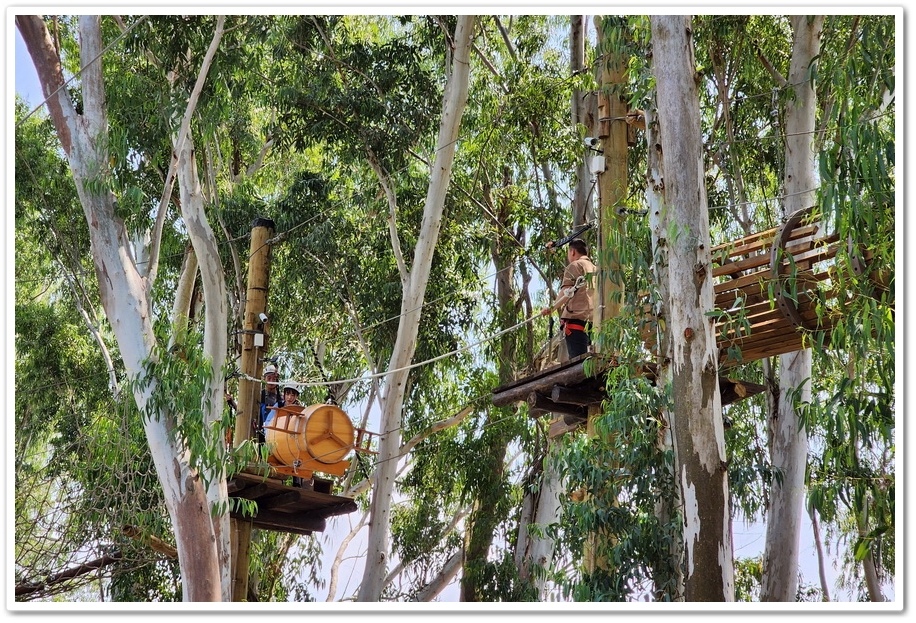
(270, 397)
(290, 398)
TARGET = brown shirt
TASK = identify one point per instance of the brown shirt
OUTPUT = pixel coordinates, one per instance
(582, 304)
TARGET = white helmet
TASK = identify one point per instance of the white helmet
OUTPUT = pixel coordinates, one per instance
(271, 369)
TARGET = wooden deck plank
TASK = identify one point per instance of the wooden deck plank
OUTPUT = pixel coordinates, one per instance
(284, 508)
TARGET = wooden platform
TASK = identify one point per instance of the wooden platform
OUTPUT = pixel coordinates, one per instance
(570, 388)
(284, 508)
(767, 286)
(774, 289)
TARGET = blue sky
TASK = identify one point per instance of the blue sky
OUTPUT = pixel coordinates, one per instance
(26, 79)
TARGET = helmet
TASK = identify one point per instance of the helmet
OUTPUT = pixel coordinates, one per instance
(292, 387)
(271, 369)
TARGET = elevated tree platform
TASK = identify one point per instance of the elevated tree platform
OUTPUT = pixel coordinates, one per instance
(283, 508)
(774, 292)
(571, 387)
(776, 289)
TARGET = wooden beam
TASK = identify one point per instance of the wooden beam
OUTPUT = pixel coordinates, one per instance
(543, 405)
(576, 396)
(560, 427)
(253, 492)
(543, 382)
(284, 499)
(735, 390)
(297, 523)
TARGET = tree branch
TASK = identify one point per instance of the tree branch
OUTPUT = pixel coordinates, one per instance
(505, 34)
(492, 69)
(50, 74)
(392, 215)
(338, 558)
(91, 323)
(438, 584)
(778, 77)
(181, 306)
(435, 428)
(438, 581)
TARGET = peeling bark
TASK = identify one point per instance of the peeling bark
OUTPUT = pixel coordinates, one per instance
(456, 92)
(698, 432)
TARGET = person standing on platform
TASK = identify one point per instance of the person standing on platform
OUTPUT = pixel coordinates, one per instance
(576, 301)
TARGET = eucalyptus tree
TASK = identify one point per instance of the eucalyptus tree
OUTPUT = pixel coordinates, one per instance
(744, 165)
(71, 497)
(413, 283)
(754, 96)
(749, 72)
(183, 428)
(787, 432)
(744, 121)
(852, 413)
(684, 246)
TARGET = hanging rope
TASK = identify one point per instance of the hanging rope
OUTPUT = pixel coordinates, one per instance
(329, 397)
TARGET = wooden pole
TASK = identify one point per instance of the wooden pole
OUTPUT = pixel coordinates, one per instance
(612, 193)
(612, 182)
(254, 343)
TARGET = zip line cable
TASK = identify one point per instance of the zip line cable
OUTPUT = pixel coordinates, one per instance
(370, 377)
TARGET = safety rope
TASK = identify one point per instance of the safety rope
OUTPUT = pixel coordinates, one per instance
(369, 377)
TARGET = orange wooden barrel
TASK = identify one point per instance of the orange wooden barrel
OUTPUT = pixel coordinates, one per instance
(316, 437)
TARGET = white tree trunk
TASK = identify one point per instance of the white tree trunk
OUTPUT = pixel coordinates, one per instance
(787, 439)
(438, 584)
(456, 92)
(124, 294)
(699, 436)
(658, 217)
(541, 508)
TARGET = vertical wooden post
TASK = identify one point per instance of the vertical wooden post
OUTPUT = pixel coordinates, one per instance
(254, 343)
(612, 192)
(612, 182)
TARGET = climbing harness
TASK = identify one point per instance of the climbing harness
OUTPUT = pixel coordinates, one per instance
(571, 324)
(570, 291)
